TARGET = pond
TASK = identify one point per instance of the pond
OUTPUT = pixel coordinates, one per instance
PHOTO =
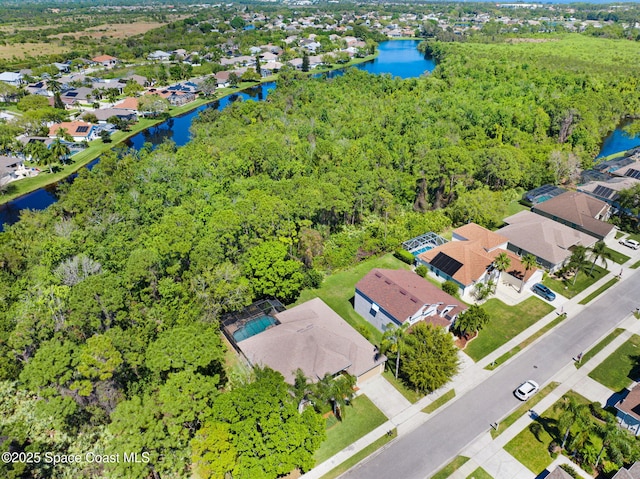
(619, 140)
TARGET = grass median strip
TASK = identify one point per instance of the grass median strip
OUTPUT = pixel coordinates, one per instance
(616, 256)
(450, 468)
(513, 351)
(636, 265)
(479, 474)
(360, 455)
(599, 347)
(440, 401)
(599, 291)
(523, 409)
(620, 369)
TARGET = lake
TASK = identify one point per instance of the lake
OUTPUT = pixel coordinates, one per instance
(618, 140)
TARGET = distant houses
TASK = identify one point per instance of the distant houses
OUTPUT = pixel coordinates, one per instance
(78, 130)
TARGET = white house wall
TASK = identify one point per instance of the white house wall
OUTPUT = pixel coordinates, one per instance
(362, 305)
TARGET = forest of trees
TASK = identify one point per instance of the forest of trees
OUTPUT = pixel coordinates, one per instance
(110, 299)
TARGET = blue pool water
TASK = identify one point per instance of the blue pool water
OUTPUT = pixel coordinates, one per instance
(253, 327)
(421, 250)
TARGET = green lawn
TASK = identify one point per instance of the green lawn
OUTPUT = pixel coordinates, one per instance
(531, 445)
(516, 207)
(450, 468)
(619, 234)
(599, 291)
(515, 350)
(479, 474)
(338, 290)
(410, 394)
(505, 323)
(616, 256)
(441, 401)
(621, 368)
(636, 265)
(359, 456)
(523, 409)
(568, 289)
(360, 418)
(599, 347)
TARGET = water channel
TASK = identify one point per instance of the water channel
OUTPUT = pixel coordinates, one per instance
(399, 58)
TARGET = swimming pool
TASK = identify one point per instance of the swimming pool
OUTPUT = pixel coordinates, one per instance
(421, 250)
(253, 327)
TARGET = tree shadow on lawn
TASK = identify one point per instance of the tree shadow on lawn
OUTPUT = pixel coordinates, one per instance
(634, 374)
(549, 425)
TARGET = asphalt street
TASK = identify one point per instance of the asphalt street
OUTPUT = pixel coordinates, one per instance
(420, 453)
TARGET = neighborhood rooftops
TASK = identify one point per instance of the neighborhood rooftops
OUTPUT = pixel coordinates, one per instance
(543, 237)
(74, 128)
(403, 294)
(579, 210)
(312, 337)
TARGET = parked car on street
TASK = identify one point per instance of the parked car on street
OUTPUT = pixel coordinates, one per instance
(541, 290)
(526, 390)
(633, 244)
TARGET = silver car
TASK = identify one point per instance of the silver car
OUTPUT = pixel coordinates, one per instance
(526, 390)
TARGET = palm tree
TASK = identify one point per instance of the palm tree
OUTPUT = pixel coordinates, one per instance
(335, 391)
(529, 262)
(615, 440)
(578, 260)
(59, 151)
(599, 252)
(36, 150)
(572, 412)
(501, 263)
(393, 340)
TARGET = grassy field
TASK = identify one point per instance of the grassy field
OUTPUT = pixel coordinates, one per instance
(22, 50)
(359, 456)
(113, 30)
(599, 291)
(621, 368)
(410, 395)
(361, 418)
(523, 409)
(531, 446)
(568, 289)
(505, 323)
(616, 256)
(599, 347)
(513, 351)
(338, 290)
(450, 468)
(441, 401)
(479, 474)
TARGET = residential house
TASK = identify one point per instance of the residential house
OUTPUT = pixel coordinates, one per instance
(579, 211)
(542, 194)
(106, 61)
(12, 168)
(15, 79)
(384, 297)
(609, 190)
(559, 473)
(296, 63)
(313, 338)
(74, 96)
(159, 55)
(139, 79)
(549, 241)
(179, 98)
(130, 103)
(103, 114)
(468, 259)
(62, 67)
(628, 410)
(222, 79)
(270, 68)
(79, 130)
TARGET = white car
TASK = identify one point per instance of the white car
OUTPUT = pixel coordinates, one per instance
(526, 390)
(633, 244)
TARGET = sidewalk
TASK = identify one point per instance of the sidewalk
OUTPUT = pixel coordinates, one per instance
(487, 452)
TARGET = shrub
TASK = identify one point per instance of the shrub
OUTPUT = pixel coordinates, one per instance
(404, 256)
(570, 470)
(450, 287)
(422, 270)
(312, 279)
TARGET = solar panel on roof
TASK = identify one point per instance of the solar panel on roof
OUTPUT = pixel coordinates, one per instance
(604, 192)
(446, 264)
(633, 173)
(82, 129)
(72, 94)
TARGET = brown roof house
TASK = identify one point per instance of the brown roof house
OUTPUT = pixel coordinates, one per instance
(549, 241)
(386, 296)
(468, 259)
(629, 411)
(105, 60)
(559, 473)
(579, 211)
(312, 337)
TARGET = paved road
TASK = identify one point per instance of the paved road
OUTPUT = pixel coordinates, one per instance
(423, 451)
